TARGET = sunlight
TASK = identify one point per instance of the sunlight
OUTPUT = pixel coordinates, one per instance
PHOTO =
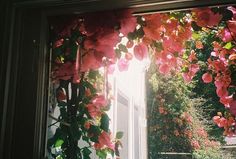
(128, 110)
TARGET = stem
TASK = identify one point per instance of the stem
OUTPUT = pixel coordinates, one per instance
(58, 121)
(72, 144)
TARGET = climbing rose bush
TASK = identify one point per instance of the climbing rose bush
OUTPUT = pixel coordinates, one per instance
(85, 43)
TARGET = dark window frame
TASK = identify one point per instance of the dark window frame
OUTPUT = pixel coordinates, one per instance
(16, 73)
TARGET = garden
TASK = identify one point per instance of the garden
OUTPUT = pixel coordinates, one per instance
(191, 80)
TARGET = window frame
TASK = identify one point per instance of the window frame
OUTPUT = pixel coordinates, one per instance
(12, 75)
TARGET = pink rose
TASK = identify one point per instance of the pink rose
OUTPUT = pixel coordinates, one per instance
(207, 78)
(140, 51)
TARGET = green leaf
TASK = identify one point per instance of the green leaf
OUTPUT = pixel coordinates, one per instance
(59, 142)
(228, 46)
(196, 27)
(90, 86)
(101, 154)
(75, 131)
(123, 48)
(93, 74)
(158, 46)
(140, 33)
(118, 53)
(105, 122)
(119, 134)
(86, 152)
(95, 131)
(61, 104)
(196, 36)
(59, 157)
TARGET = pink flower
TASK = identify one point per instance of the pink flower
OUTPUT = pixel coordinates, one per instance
(61, 95)
(207, 78)
(222, 92)
(87, 125)
(104, 140)
(64, 71)
(129, 44)
(192, 57)
(140, 51)
(226, 100)
(128, 56)
(216, 119)
(195, 144)
(89, 61)
(164, 69)
(232, 107)
(225, 35)
(99, 101)
(187, 78)
(127, 24)
(232, 26)
(220, 121)
(58, 43)
(152, 29)
(111, 69)
(205, 17)
(93, 110)
(199, 44)
(123, 65)
(161, 110)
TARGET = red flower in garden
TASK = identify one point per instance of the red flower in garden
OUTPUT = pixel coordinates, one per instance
(129, 44)
(128, 56)
(164, 69)
(153, 29)
(232, 26)
(161, 110)
(93, 110)
(226, 100)
(58, 43)
(201, 132)
(104, 140)
(89, 61)
(195, 144)
(205, 17)
(87, 125)
(127, 22)
(187, 117)
(192, 70)
(100, 101)
(111, 69)
(225, 35)
(199, 45)
(192, 57)
(220, 121)
(95, 107)
(222, 92)
(207, 77)
(232, 107)
(61, 95)
(123, 65)
(63, 71)
(140, 51)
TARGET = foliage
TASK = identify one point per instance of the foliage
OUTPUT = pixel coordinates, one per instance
(174, 123)
(178, 42)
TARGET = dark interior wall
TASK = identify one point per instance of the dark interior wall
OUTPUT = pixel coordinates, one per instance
(5, 14)
(19, 47)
